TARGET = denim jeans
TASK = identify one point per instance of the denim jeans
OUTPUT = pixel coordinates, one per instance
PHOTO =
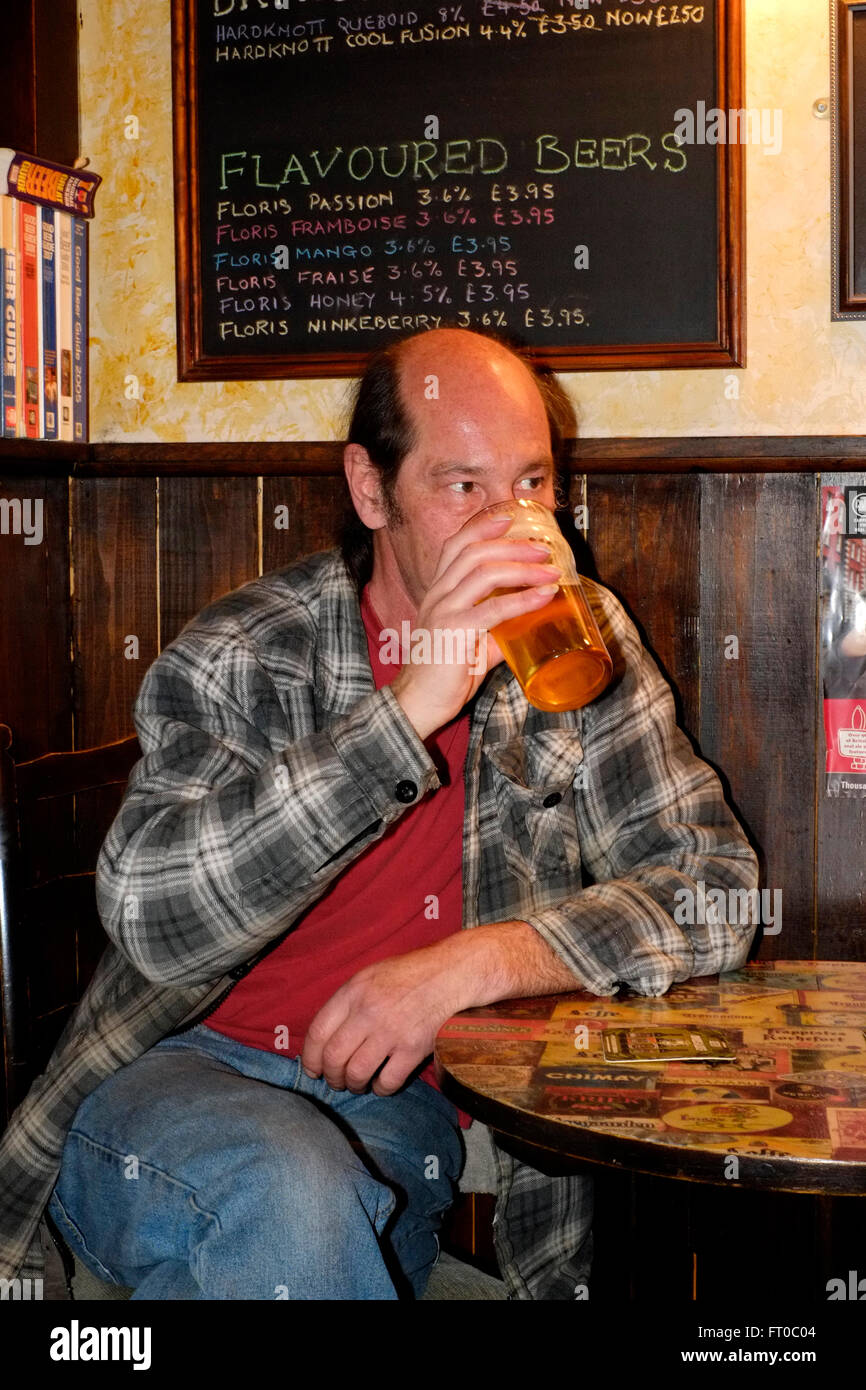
(206, 1169)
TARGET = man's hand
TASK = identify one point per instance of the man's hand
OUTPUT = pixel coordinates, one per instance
(392, 1009)
(474, 562)
(395, 1008)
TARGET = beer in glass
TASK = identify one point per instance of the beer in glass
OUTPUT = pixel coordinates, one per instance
(556, 652)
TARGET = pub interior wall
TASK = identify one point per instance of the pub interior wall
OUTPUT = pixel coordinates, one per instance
(805, 375)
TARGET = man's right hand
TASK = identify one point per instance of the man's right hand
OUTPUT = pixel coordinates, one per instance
(475, 561)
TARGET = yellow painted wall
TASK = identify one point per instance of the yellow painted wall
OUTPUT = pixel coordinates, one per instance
(806, 375)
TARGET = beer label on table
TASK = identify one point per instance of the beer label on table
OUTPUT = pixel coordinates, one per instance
(629, 1045)
(728, 1117)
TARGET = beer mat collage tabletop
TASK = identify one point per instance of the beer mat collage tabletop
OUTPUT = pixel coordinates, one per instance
(796, 1089)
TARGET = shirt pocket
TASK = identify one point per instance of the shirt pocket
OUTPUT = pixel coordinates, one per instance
(533, 780)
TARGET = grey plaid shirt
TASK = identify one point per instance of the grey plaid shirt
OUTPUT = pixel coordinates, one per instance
(271, 762)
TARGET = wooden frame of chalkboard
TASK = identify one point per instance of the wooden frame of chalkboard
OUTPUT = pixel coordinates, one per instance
(848, 79)
(659, 264)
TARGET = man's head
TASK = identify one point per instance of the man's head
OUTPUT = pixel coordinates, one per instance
(445, 423)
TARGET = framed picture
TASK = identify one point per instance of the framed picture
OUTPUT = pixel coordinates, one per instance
(565, 175)
(848, 89)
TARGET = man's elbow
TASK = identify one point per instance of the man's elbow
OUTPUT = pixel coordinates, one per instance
(741, 944)
(138, 935)
(148, 953)
(734, 870)
(126, 934)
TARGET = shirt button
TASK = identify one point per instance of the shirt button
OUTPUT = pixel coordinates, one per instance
(552, 800)
(406, 791)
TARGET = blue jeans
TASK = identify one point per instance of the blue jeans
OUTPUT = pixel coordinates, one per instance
(206, 1169)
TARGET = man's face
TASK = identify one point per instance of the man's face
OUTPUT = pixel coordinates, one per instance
(482, 437)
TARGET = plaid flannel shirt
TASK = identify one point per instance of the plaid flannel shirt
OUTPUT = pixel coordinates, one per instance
(271, 762)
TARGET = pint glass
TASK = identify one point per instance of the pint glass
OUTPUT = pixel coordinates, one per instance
(556, 652)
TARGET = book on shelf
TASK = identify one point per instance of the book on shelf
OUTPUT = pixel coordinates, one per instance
(9, 261)
(28, 221)
(79, 330)
(49, 323)
(48, 184)
(63, 252)
(44, 210)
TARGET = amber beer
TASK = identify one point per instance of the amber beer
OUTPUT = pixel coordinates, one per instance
(558, 666)
(557, 652)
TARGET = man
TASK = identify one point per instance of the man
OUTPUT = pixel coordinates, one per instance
(284, 886)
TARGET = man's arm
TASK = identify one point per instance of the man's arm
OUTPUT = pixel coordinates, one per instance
(653, 826)
(394, 1008)
(221, 842)
(652, 822)
(651, 816)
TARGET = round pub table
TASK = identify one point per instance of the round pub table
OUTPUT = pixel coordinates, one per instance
(791, 1107)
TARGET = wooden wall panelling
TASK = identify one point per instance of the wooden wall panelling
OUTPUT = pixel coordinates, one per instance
(841, 873)
(18, 76)
(796, 1243)
(758, 711)
(755, 1247)
(841, 1225)
(734, 453)
(467, 1231)
(238, 458)
(661, 1245)
(315, 510)
(64, 942)
(641, 1236)
(35, 700)
(114, 599)
(635, 455)
(56, 56)
(34, 634)
(675, 1240)
(208, 544)
(571, 524)
(114, 567)
(39, 78)
(643, 533)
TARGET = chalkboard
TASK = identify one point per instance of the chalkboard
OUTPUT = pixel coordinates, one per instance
(347, 172)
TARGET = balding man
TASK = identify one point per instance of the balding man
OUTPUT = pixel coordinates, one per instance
(297, 854)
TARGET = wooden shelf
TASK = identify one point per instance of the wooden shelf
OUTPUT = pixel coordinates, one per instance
(280, 458)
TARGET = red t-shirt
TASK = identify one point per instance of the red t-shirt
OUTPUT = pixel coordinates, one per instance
(404, 892)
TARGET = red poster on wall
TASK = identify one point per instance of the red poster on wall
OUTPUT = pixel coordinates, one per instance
(843, 634)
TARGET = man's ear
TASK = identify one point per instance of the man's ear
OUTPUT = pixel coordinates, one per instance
(365, 485)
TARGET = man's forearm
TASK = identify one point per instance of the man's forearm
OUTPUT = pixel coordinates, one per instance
(509, 960)
(391, 1011)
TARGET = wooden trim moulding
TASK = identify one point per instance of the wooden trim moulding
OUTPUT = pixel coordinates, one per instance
(671, 454)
